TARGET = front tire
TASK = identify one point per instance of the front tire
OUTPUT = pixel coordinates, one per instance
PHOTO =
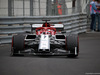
(72, 45)
(17, 44)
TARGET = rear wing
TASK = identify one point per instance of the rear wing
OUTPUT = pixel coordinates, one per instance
(57, 26)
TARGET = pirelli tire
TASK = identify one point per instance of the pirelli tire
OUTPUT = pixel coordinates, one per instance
(72, 45)
(17, 44)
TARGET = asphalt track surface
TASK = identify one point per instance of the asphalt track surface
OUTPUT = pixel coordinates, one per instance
(87, 63)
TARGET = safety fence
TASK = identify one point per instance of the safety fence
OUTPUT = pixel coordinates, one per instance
(10, 26)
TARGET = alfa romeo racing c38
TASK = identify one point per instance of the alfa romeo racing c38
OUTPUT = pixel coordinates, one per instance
(47, 39)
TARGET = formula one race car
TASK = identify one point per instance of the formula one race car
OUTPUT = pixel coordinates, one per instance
(46, 40)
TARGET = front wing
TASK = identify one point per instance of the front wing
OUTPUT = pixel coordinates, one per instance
(56, 53)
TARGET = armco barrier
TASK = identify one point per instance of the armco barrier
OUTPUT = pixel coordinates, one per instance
(9, 26)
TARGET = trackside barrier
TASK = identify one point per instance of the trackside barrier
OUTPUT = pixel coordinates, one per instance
(10, 26)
